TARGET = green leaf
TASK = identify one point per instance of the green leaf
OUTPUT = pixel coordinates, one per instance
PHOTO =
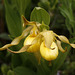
(73, 65)
(39, 14)
(44, 4)
(13, 20)
(23, 71)
(14, 10)
(16, 60)
(4, 69)
(28, 57)
(10, 72)
(4, 36)
(67, 11)
(21, 5)
(53, 4)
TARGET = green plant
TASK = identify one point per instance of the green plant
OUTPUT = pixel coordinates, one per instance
(26, 63)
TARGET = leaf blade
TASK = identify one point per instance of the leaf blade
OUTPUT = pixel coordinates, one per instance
(39, 14)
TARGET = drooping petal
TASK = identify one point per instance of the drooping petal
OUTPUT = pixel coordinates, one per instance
(73, 45)
(23, 49)
(17, 40)
(48, 37)
(26, 22)
(65, 40)
(26, 31)
(60, 47)
(6, 46)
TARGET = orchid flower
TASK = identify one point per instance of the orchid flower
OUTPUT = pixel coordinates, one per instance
(40, 41)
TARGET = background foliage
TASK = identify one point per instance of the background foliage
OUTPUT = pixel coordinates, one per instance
(58, 14)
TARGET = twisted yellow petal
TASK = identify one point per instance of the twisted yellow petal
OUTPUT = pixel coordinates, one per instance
(23, 49)
(26, 22)
(64, 39)
(17, 40)
(73, 45)
(59, 46)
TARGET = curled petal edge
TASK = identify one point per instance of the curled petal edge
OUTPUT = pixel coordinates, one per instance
(65, 40)
(18, 39)
(60, 47)
(26, 22)
(23, 49)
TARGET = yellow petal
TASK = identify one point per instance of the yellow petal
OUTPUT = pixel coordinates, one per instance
(23, 49)
(17, 40)
(37, 38)
(73, 45)
(48, 37)
(26, 22)
(6, 46)
(34, 32)
(35, 46)
(49, 54)
(59, 46)
(65, 40)
(26, 31)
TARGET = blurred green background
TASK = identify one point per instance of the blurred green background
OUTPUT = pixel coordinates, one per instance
(62, 21)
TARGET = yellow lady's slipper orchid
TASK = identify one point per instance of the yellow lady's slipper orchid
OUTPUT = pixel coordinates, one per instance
(39, 41)
(50, 44)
